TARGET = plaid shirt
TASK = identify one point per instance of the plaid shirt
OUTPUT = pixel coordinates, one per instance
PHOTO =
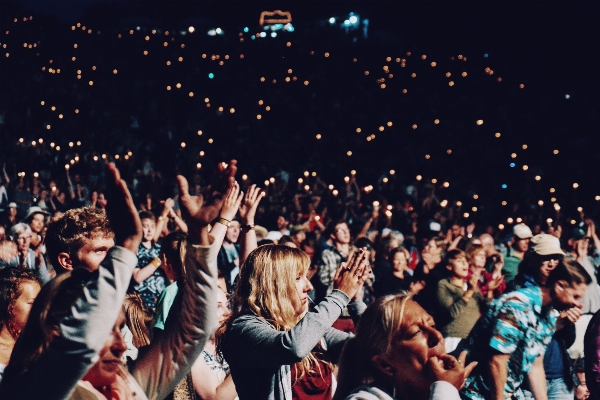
(328, 264)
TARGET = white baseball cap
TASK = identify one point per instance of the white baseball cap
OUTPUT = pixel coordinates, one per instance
(522, 231)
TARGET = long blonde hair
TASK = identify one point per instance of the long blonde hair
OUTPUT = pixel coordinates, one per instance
(265, 288)
(379, 324)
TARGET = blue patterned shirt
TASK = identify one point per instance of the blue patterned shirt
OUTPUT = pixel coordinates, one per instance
(151, 288)
(515, 324)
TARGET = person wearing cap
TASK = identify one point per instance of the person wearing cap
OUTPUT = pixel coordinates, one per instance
(537, 266)
(510, 340)
(36, 219)
(515, 253)
(578, 247)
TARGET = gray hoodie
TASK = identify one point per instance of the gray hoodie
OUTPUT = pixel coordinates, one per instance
(260, 356)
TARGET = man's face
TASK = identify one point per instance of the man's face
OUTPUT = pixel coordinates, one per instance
(341, 234)
(24, 241)
(37, 223)
(233, 232)
(568, 296)
(282, 223)
(2, 234)
(522, 244)
(581, 245)
(93, 252)
(455, 230)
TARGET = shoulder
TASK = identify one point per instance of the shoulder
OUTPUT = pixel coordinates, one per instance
(446, 285)
(368, 393)
(444, 282)
(250, 324)
(521, 304)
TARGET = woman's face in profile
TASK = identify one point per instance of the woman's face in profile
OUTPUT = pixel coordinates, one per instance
(104, 372)
(22, 306)
(412, 347)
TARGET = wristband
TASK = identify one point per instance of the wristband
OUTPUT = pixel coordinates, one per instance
(155, 263)
(161, 218)
(248, 227)
(224, 221)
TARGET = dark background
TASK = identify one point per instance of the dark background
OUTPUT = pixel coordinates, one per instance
(550, 47)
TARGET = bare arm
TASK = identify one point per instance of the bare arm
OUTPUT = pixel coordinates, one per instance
(232, 201)
(207, 385)
(171, 356)
(247, 213)
(71, 189)
(141, 274)
(367, 225)
(178, 221)
(499, 375)
(6, 178)
(537, 379)
(162, 219)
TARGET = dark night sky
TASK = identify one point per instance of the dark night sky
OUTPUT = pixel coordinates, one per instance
(551, 46)
(553, 41)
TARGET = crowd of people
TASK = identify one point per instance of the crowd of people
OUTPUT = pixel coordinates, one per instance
(207, 303)
(302, 275)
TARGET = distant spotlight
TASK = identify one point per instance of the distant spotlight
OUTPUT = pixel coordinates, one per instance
(211, 75)
(567, 96)
(353, 19)
(219, 31)
(486, 55)
(504, 186)
(332, 20)
(191, 29)
(246, 29)
(273, 34)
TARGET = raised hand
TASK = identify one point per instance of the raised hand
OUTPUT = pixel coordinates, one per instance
(233, 198)
(250, 204)
(198, 211)
(122, 214)
(350, 276)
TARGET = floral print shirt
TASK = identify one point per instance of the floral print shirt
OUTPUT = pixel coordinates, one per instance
(515, 324)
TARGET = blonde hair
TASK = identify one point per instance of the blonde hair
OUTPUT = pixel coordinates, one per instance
(378, 326)
(265, 288)
(137, 319)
